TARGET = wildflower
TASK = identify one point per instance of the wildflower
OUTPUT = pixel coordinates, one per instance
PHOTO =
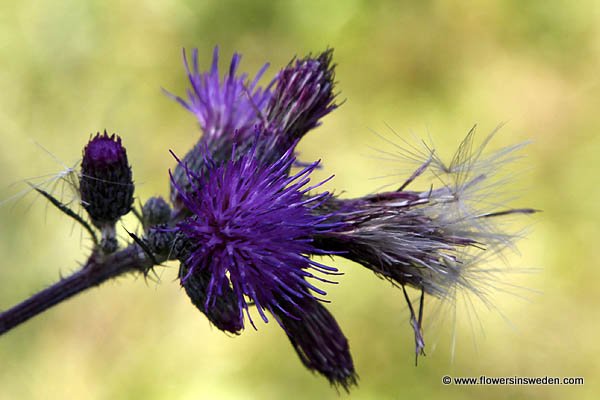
(106, 183)
(237, 113)
(227, 109)
(230, 190)
(251, 227)
(244, 228)
(436, 240)
(249, 237)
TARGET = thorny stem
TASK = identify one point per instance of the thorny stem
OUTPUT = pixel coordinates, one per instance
(98, 269)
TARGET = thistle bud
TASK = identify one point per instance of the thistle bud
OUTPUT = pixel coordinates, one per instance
(302, 96)
(320, 343)
(156, 211)
(223, 313)
(106, 183)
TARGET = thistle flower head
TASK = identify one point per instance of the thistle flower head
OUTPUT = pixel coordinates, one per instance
(236, 113)
(251, 228)
(106, 184)
(227, 107)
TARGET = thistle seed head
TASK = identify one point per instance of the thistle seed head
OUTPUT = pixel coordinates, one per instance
(437, 239)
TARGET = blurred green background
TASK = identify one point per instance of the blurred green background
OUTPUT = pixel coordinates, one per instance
(69, 68)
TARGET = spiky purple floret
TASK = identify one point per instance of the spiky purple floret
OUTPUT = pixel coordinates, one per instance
(230, 106)
(103, 150)
(236, 113)
(252, 227)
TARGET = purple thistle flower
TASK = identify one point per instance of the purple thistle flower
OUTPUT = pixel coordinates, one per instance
(226, 108)
(237, 113)
(106, 184)
(435, 240)
(247, 244)
(252, 228)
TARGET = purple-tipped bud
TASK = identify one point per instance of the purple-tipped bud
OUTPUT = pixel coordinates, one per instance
(251, 228)
(106, 183)
(320, 343)
(302, 96)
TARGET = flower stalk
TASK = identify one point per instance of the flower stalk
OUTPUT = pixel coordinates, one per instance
(97, 270)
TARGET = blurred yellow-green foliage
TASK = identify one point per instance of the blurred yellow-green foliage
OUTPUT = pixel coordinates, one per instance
(69, 68)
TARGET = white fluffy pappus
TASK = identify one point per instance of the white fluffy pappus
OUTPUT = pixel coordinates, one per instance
(449, 238)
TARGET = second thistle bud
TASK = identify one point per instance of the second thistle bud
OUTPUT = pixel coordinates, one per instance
(156, 211)
(106, 183)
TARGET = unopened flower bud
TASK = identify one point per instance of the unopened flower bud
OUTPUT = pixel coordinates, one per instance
(302, 96)
(319, 342)
(224, 313)
(106, 183)
(156, 211)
